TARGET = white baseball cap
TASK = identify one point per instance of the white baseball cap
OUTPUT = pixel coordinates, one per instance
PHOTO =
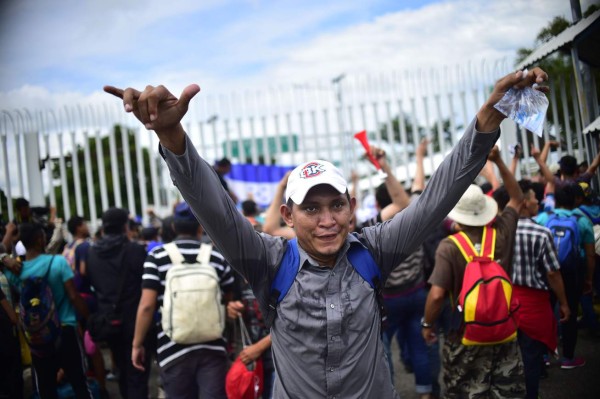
(311, 174)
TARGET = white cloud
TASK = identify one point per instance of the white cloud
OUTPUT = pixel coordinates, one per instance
(50, 50)
(447, 33)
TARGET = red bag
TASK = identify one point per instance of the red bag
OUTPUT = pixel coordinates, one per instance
(241, 382)
(485, 299)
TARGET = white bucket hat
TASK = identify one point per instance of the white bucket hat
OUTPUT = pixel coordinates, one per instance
(474, 208)
(310, 174)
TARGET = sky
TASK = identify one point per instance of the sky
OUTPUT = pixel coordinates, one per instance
(54, 53)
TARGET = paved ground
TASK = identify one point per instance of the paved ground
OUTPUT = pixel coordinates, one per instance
(581, 383)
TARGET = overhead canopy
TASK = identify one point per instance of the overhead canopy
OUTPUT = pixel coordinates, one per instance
(585, 34)
(593, 127)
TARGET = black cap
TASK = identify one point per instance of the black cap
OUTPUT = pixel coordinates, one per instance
(184, 212)
(114, 220)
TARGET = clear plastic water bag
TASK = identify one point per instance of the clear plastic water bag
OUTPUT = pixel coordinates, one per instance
(525, 106)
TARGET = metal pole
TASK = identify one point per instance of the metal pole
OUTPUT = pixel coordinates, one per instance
(114, 165)
(18, 134)
(87, 161)
(265, 143)
(128, 172)
(141, 176)
(100, 161)
(3, 138)
(75, 163)
(404, 142)
(154, 170)
(62, 169)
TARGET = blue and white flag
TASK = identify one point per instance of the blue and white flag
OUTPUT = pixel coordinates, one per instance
(258, 182)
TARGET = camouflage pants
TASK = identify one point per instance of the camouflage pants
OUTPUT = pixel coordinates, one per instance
(477, 372)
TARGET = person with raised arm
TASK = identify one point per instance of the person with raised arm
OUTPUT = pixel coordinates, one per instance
(326, 331)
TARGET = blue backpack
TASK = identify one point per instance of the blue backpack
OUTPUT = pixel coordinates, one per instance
(39, 314)
(565, 232)
(360, 258)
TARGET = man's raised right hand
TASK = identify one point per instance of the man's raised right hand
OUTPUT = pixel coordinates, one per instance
(159, 110)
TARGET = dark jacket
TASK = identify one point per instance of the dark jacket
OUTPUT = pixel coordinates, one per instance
(105, 259)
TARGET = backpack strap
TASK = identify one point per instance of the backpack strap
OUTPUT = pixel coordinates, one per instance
(359, 256)
(364, 264)
(464, 244)
(204, 254)
(49, 266)
(361, 259)
(174, 253)
(488, 246)
(467, 249)
(284, 278)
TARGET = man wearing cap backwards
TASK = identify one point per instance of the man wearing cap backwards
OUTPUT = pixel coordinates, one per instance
(488, 371)
(326, 337)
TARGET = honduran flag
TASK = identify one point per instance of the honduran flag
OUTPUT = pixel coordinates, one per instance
(256, 181)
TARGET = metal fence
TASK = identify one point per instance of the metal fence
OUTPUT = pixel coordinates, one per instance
(282, 125)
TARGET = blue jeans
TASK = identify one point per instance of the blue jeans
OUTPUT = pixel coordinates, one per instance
(404, 315)
(573, 282)
(532, 352)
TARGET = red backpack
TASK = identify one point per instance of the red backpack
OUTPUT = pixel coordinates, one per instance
(486, 298)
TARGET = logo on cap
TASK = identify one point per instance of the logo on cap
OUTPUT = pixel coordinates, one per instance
(311, 170)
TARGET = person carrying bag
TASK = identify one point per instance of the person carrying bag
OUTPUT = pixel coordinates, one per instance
(244, 381)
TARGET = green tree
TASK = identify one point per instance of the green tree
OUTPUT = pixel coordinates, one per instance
(419, 130)
(137, 184)
(559, 67)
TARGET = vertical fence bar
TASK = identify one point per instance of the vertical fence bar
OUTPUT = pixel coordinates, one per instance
(288, 123)
(352, 130)
(265, 141)
(63, 176)
(141, 172)
(50, 164)
(554, 105)
(569, 135)
(76, 175)
(202, 142)
(89, 181)
(253, 148)
(227, 139)
(440, 124)
(525, 149)
(378, 138)
(18, 133)
(241, 149)
(114, 166)
(578, 129)
(101, 171)
(328, 133)
(404, 141)
(278, 144)
(128, 172)
(315, 136)
(4, 139)
(391, 136)
(154, 171)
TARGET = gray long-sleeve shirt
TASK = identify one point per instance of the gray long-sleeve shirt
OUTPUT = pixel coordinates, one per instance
(326, 336)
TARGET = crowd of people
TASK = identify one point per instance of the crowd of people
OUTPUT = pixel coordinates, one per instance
(318, 295)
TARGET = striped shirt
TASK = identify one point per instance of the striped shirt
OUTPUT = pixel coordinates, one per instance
(155, 269)
(534, 255)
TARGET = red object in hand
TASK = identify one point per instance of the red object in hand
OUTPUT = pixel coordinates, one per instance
(362, 137)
